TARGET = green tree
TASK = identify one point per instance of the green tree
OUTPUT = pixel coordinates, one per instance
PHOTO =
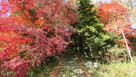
(90, 40)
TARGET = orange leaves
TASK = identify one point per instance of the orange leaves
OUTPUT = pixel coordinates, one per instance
(111, 11)
(114, 16)
(39, 22)
(122, 42)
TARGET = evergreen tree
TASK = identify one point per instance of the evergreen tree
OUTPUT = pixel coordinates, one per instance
(90, 40)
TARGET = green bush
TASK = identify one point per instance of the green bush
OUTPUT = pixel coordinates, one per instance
(115, 55)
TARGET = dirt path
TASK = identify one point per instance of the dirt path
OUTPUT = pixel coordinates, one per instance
(69, 66)
(55, 70)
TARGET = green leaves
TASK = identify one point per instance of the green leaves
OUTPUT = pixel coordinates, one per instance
(105, 37)
(91, 37)
(91, 28)
(86, 34)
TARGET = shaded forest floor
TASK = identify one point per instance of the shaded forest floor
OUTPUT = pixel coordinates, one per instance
(71, 65)
(67, 65)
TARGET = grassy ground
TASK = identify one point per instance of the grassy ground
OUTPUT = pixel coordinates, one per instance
(124, 69)
(114, 70)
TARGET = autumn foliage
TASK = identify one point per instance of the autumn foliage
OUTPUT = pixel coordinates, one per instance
(34, 30)
(115, 18)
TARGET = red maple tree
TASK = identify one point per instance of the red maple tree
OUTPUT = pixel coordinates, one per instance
(115, 18)
(34, 30)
